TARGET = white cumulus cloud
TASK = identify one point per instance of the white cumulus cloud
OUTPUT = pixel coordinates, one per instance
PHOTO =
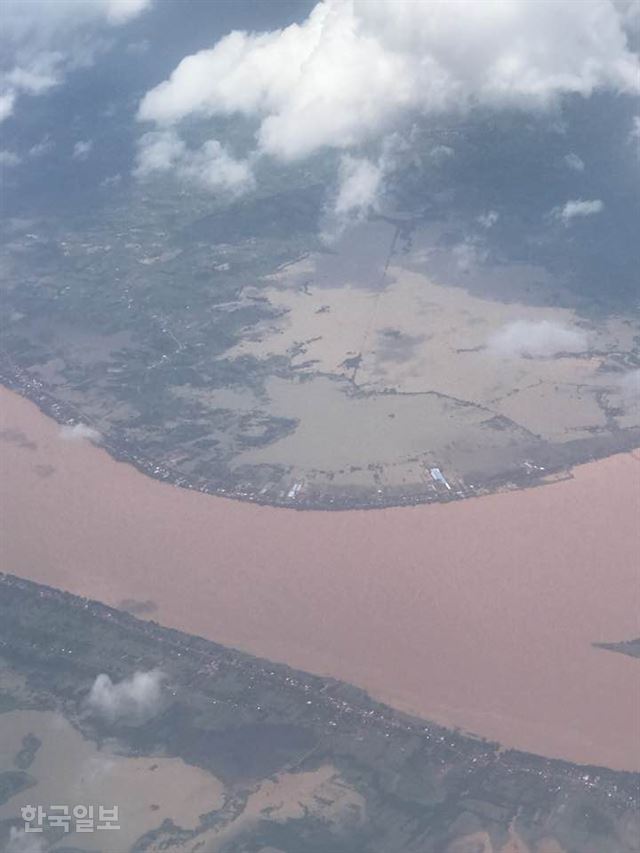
(42, 40)
(574, 162)
(9, 159)
(359, 186)
(41, 148)
(543, 338)
(353, 67)
(358, 192)
(210, 165)
(132, 700)
(7, 101)
(39, 77)
(82, 149)
(121, 11)
(488, 219)
(469, 254)
(578, 208)
(79, 432)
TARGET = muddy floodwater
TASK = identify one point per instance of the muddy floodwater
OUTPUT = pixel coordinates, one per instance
(479, 614)
(68, 769)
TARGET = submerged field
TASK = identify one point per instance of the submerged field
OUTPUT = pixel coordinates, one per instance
(228, 349)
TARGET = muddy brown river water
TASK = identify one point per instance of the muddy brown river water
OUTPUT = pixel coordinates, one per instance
(479, 614)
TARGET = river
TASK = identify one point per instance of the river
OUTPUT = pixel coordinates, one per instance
(479, 614)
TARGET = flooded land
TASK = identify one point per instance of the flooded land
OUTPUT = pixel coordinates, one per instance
(480, 614)
(404, 364)
(69, 768)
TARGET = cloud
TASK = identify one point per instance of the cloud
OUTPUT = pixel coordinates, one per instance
(578, 208)
(357, 195)
(359, 187)
(441, 153)
(572, 161)
(7, 100)
(469, 254)
(42, 41)
(488, 219)
(111, 181)
(41, 19)
(36, 73)
(82, 149)
(79, 432)
(21, 842)
(9, 159)
(41, 76)
(630, 12)
(132, 700)
(159, 152)
(138, 48)
(543, 339)
(210, 166)
(41, 148)
(121, 11)
(353, 68)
